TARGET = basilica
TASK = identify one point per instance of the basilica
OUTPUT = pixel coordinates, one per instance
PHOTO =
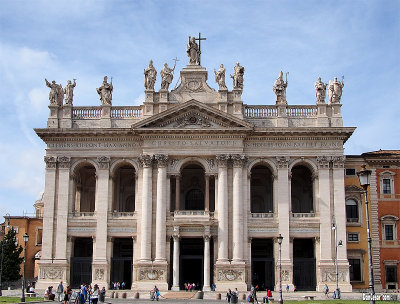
(194, 186)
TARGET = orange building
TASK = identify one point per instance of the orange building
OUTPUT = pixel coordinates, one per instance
(33, 225)
(385, 199)
(357, 244)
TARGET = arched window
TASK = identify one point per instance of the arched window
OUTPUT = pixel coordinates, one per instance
(352, 211)
(302, 190)
(261, 190)
(193, 187)
(85, 189)
(124, 189)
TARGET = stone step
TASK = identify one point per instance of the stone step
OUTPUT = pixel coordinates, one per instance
(184, 295)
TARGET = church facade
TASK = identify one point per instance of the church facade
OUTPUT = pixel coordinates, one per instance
(194, 186)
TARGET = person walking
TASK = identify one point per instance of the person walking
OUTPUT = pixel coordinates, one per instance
(60, 291)
(94, 296)
(229, 295)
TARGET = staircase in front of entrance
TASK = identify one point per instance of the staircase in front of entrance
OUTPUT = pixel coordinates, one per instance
(184, 295)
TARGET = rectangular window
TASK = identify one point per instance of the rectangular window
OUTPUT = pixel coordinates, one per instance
(352, 237)
(389, 232)
(386, 186)
(350, 172)
(39, 236)
(391, 274)
(355, 269)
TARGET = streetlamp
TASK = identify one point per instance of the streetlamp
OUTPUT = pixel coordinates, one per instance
(7, 216)
(26, 238)
(337, 244)
(280, 238)
(364, 175)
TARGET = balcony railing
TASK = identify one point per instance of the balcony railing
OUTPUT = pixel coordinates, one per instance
(352, 220)
(126, 112)
(260, 111)
(298, 215)
(117, 214)
(262, 215)
(192, 213)
(86, 112)
(272, 111)
(83, 214)
(301, 111)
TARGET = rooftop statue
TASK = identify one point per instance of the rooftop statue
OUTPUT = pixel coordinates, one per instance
(150, 75)
(56, 94)
(280, 88)
(69, 92)
(320, 90)
(193, 51)
(335, 90)
(238, 73)
(105, 92)
(220, 77)
(167, 76)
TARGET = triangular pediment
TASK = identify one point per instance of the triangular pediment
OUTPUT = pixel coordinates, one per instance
(193, 115)
(353, 188)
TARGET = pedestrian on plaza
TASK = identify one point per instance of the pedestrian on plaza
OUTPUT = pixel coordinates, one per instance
(287, 287)
(94, 296)
(102, 294)
(326, 291)
(229, 295)
(235, 296)
(60, 291)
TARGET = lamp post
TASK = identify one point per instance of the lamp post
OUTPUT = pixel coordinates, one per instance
(26, 238)
(280, 238)
(2, 253)
(337, 244)
(364, 175)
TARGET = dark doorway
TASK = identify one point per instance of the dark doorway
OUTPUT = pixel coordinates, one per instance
(302, 190)
(192, 187)
(121, 262)
(304, 264)
(261, 190)
(262, 264)
(81, 262)
(191, 266)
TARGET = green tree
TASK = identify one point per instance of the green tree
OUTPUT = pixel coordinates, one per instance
(11, 257)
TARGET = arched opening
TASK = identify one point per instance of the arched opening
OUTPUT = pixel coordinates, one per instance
(261, 189)
(85, 189)
(124, 189)
(302, 190)
(192, 187)
(352, 211)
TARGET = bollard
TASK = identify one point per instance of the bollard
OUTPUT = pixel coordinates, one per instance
(124, 295)
(136, 295)
(218, 296)
(112, 295)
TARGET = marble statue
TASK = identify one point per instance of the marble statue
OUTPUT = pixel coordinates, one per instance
(105, 92)
(193, 51)
(166, 76)
(56, 94)
(335, 90)
(220, 77)
(238, 73)
(320, 90)
(280, 88)
(69, 92)
(150, 75)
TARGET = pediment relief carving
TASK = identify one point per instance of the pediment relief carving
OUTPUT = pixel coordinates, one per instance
(193, 115)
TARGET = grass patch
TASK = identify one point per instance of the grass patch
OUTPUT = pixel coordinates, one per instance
(18, 299)
(333, 301)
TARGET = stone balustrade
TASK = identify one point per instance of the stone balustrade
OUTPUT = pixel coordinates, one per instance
(262, 215)
(86, 112)
(260, 111)
(126, 112)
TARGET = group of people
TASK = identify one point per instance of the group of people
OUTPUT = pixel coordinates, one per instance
(86, 293)
(118, 285)
(232, 296)
(190, 286)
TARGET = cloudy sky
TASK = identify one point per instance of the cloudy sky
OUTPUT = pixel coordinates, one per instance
(61, 40)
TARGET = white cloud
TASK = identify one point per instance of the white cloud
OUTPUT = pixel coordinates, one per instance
(38, 98)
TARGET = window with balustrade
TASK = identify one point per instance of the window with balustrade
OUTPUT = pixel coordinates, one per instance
(124, 182)
(352, 211)
(261, 189)
(302, 190)
(85, 188)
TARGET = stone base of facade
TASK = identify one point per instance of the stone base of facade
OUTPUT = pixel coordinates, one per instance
(100, 273)
(51, 273)
(326, 274)
(150, 274)
(230, 276)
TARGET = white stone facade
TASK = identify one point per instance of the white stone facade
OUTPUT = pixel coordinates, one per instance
(164, 143)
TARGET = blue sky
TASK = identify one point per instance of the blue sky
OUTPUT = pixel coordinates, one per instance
(86, 40)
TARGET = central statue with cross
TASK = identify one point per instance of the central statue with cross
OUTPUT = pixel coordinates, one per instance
(194, 50)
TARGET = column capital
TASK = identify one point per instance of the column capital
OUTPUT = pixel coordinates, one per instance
(145, 160)
(282, 161)
(323, 162)
(222, 160)
(239, 160)
(51, 162)
(162, 160)
(338, 161)
(104, 162)
(206, 237)
(64, 162)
